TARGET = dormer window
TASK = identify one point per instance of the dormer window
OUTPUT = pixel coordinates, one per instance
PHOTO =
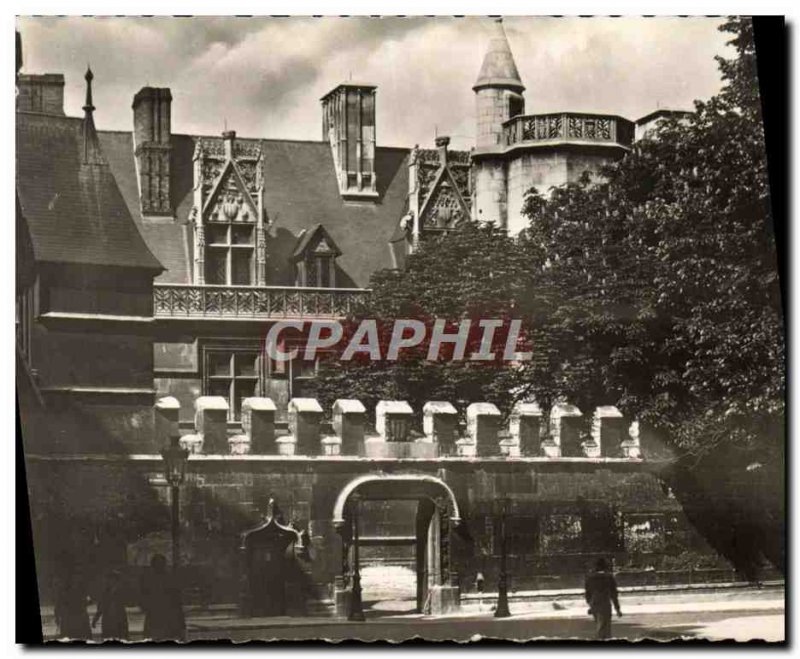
(315, 258)
(228, 215)
(230, 249)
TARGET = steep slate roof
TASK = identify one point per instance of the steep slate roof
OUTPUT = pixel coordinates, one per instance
(499, 68)
(75, 211)
(168, 240)
(300, 192)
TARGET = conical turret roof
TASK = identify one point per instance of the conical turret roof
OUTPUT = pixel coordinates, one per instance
(499, 69)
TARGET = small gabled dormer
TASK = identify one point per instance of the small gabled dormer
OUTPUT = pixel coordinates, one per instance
(348, 124)
(315, 258)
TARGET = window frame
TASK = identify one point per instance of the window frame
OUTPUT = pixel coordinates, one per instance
(230, 247)
(231, 348)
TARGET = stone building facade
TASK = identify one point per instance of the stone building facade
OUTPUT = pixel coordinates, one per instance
(152, 264)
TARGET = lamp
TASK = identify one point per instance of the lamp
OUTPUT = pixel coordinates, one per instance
(175, 460)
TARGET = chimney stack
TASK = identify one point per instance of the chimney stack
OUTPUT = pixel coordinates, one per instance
(348, 124)
(152, 108)
(441, 144)
(228, 138)
(42, 93)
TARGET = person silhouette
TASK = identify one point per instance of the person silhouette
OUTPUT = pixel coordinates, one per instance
(70, 607)
(111, 609)
(601, 593)
(161, 602)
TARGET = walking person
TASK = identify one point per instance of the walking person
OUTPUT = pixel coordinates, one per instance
(162, 604)
(111, 609)
(601, 593)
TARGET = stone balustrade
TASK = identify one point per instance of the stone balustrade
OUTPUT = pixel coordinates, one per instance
(568, 127)
(191, 301)
(565, 434)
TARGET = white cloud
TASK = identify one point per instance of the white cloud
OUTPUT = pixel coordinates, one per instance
(265, 76)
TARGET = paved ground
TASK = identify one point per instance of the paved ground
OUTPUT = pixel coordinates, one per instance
(745, 625)
(712, 613)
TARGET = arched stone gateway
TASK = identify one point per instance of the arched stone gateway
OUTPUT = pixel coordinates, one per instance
(437, 520)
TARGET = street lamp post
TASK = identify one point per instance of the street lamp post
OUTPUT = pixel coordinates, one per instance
(175, 459)
(356, 607)
(502, 591)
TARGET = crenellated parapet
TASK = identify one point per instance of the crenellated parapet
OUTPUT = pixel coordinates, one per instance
(527, 432)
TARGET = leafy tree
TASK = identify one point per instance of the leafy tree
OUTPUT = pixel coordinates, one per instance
(473, 273)
(667, 302)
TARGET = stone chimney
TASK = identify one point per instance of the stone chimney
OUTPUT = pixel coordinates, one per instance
(152, 146)
(441, 144)
(40, 93)
(348, 124)
(228, 139)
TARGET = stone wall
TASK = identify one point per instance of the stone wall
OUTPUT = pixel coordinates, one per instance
(490, 191)
(545, 168)
(103, 511)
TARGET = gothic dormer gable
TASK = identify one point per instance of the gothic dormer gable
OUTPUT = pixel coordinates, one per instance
(228, 215)
(444, 207)
(229, 199)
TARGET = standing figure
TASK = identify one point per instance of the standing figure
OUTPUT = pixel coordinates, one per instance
(162, 605)
(601, 593)
(111, 609)
(70, 608)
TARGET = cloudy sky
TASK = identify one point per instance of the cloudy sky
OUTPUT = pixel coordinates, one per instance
(264, 77)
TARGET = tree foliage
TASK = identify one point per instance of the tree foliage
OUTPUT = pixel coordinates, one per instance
(655, 290)
(668, 294)
(473, 273)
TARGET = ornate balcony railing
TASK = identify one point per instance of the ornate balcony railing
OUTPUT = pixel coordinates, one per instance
(568, 127)
(251, 302)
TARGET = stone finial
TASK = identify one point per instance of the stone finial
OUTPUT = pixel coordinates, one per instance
(211, 423)
(92, 155)
(393, 420)
(349, 416)
(305, 415)
(192, 443)
(258, 423)
(166, 413)
(609, 430)
(483, 425)
(525, 427)
(439, 421)
(631, 446)
(441, 145)
(466, 448)
(239, 445)
(331, 445)
(286, 445)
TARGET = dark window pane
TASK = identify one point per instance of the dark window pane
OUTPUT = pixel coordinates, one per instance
(246, 363)
(217, 233)
(241, 267)
(216, 266)
(219, 364)
(220, 388)
(311, 271)
(242, 389)
(242, 234)
(324, 273)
